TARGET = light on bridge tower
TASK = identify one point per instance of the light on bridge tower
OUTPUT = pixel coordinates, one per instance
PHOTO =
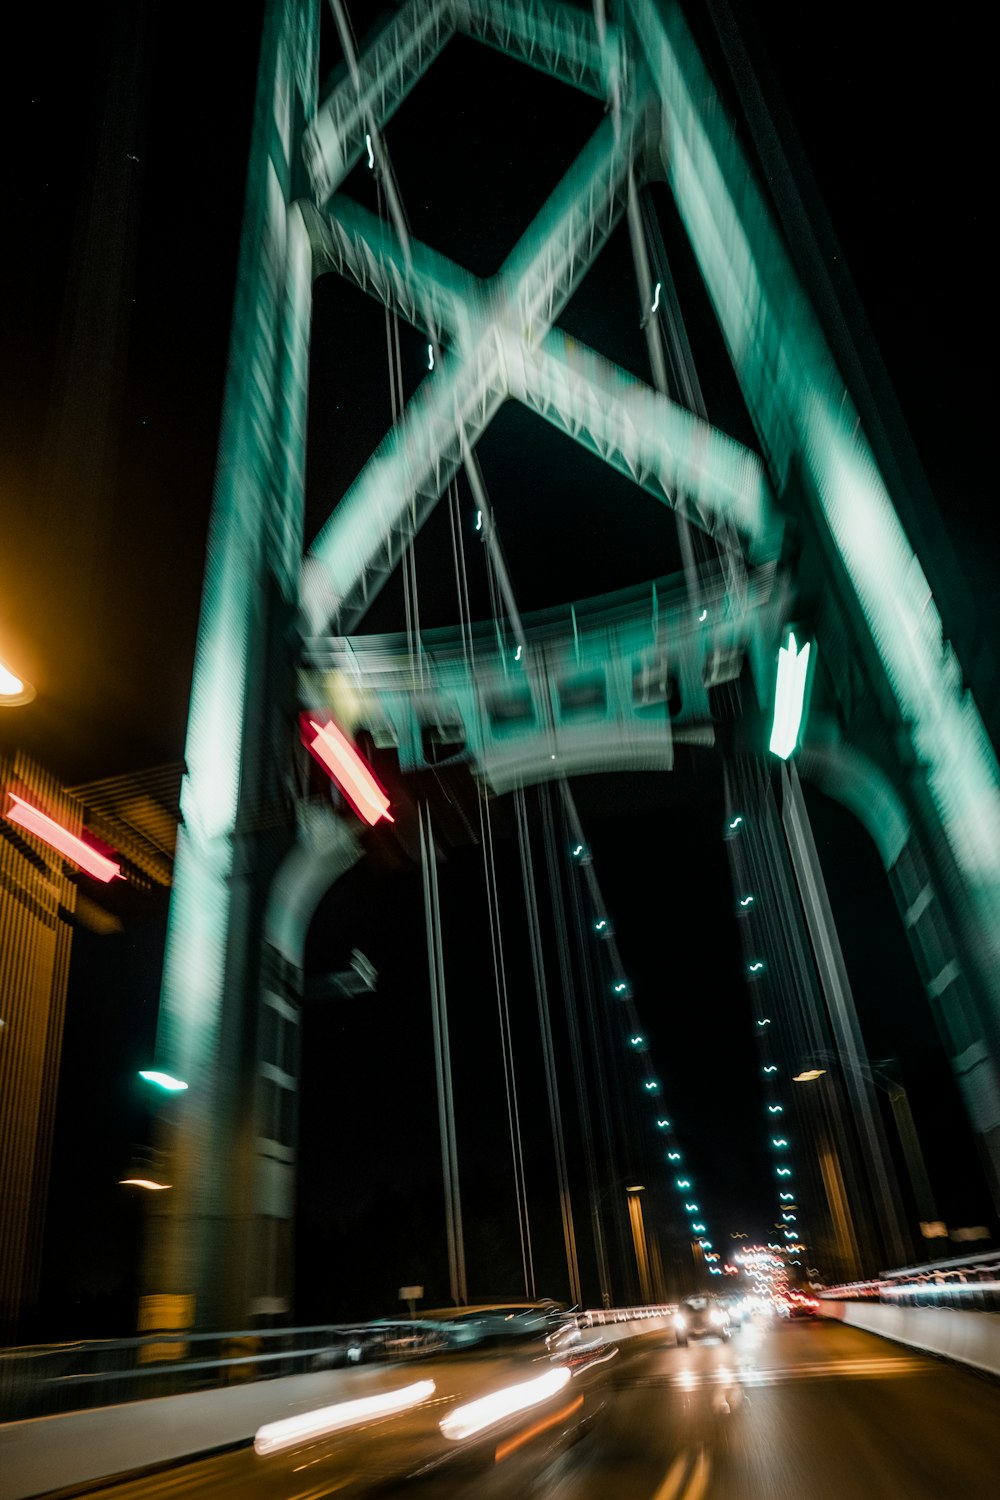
(790, 696)
(339, 759)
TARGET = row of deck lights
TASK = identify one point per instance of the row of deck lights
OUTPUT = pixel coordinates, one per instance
(621, 989)
(775, 1108)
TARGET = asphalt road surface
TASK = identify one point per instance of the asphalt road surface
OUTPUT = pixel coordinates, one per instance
(785, 1411)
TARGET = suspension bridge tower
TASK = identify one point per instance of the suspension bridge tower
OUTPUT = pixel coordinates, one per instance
(894, 734)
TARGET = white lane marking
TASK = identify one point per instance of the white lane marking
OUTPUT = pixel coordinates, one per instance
(836, 1369)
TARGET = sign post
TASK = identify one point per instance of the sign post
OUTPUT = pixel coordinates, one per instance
(410, 1295)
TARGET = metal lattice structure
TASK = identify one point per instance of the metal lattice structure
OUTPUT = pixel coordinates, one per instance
(902, 743)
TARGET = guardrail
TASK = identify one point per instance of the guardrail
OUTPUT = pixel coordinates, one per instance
(970, 1283)
(46, 1380)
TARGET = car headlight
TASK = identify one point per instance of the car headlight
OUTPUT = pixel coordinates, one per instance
(717, 1317)
(679, 1322)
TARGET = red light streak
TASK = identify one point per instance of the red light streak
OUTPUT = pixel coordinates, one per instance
(342, 762)
(75, 849)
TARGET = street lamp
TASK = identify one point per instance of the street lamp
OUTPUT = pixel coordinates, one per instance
(639, 1240)
(14, 691)
(875, 1073)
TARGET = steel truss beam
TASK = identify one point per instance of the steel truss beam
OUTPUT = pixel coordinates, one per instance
(334, 140)
(497, 327)
(554, 38)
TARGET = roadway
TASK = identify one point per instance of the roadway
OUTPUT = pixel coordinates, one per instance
(784, 1411)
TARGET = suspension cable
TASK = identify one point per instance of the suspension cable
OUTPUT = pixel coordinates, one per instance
(442, 1062)
(548, 1049)
(575, 1043)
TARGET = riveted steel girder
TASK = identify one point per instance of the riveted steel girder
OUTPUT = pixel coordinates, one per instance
(557, 39)
(497, 327)
(334, 140)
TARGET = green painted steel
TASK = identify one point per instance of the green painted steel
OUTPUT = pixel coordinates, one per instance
(246, 883)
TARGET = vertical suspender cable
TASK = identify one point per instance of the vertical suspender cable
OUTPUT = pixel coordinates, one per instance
(442, 1063)
(576, 1047)
(548, 1050)
(507, 1049)
(496, 936)
(496, 933)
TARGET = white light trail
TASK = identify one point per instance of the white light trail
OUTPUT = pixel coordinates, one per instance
(476, 1416)
(273, 1437)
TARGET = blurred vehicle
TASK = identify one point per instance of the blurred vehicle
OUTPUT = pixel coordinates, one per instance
(347, 1348)
(701, 1317)
(737, 1308)
(478, 1325)
(801, 1307)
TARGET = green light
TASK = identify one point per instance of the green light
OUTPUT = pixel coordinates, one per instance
(663, 1124)
(775, 1109)
(164, 1081)
(756, 967)
(747, 901)
(789, 697)
(683, 1182)
(637, 1041)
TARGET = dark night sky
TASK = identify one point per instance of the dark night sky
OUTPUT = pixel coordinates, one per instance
(891, 124)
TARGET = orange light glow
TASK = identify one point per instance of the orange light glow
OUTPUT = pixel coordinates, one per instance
(69, 845)
(341, 761)
(504, 1450)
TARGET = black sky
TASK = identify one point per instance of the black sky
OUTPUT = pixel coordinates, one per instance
(892, 123)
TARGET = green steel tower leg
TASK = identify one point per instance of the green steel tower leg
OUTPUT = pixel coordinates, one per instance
(204, 1243)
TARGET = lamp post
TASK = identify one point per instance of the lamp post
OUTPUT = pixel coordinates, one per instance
(639, 1240)
(876, 1074)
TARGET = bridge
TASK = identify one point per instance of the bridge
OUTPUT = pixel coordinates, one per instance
(784, 642)
(617, 683)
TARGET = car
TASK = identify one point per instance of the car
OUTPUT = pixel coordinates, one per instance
(344, 1348)
(802, 1307)
(701, 1317)
(737, 1309)
(496, 1323)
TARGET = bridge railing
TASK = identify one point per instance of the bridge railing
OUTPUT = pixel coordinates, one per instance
(46, 1379)
(969, 1283)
